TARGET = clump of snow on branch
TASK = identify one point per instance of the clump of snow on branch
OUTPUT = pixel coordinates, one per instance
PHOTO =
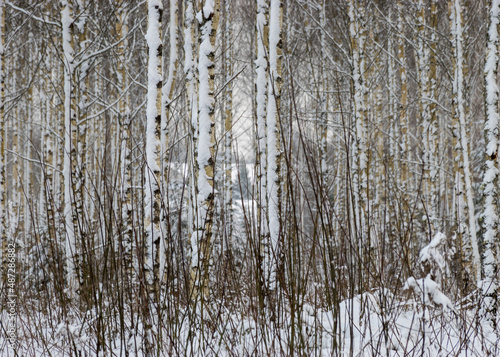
(430, 291)
(427, 288)
(430, 252)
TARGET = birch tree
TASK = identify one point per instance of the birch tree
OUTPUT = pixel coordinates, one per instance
(80, 95)
(426, 69)
(490, 178)
(323, 148)
(125, 152)
(190, 65)
(69, 123)
(201, 241)
(3, 136)
(357, 37)
(261, 82)
(433, 125)
(466, 210)
(167, 98)
(227, 116)
(153, 200)
(274, 155)
(403, 102)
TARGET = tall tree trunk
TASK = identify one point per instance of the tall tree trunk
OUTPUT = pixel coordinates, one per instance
(433, 129)
(324, 100)
(201, 258)
(227, 116)
(403, 102)
(153, 204)
(274, 151)
(490, 179)
(359, 150)
(167, 98)
(3, 137)
(261, 99)
(190, 65)
(79, 140)
(466, 210)
(69, 150)
(125, 181)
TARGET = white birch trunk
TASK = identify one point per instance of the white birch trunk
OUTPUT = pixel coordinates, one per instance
(324, 98)
(80, 129)
(190, 65)
(3, 136)
(466, 202)
(274, 141)
(490, 179)
(262, 48)
(208, 19)
(125, 151)
(227, 116)
(359, 146)
(153, 204)
(68, 52)
(403, 118)
(167, 97)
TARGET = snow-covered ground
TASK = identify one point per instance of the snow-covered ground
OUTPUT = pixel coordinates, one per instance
(372, 324)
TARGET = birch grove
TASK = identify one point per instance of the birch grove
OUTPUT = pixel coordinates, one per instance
(268, 177)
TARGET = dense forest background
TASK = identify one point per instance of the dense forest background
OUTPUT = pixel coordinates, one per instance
(249, 177)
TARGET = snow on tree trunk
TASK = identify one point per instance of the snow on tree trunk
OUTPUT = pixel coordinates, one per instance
(433, 131)
(190, 65)
(323, 147)
(125, 152)
(69, 121)
(153, 204)
(227, 116)
(167, 97)
(403, 118)
(359, 149)
(3, 136)
(274, 141)
(48, 104)
(27, 163)
(79, 130)
(466, 210)
(262, 49)
(426, 66)
(208, 18)
(490, 179)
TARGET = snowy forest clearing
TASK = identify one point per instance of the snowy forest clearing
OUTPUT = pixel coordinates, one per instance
(249, 178)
